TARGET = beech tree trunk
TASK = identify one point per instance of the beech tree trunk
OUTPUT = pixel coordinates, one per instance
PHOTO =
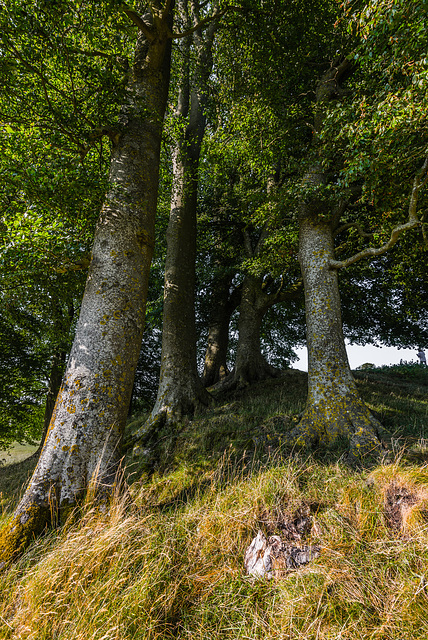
(180, 389)
(250, 364)
(54, 385)
(334, 409)
(223, 303)
(83, 440)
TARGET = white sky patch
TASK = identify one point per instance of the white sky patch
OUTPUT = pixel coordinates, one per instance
(359, 355)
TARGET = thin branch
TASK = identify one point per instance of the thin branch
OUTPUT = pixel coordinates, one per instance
(292, 293)
(353, 225)
(418, 184)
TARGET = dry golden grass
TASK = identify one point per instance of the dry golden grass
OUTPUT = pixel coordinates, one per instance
(172, 565)
(177, 571)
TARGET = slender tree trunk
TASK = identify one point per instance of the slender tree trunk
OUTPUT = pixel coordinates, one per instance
(180, 389)
(54, 385)
(82, 444)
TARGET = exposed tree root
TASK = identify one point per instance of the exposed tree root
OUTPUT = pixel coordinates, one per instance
(241, 377)
(344, 419)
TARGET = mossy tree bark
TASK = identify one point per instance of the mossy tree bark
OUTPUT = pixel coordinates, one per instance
(82, 443)
(334, 409)
(180, 389)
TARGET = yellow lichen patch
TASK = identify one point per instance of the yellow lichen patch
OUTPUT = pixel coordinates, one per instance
(20, 532)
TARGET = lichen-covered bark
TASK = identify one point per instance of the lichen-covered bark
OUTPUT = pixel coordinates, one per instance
(82, 443)
(334, 408)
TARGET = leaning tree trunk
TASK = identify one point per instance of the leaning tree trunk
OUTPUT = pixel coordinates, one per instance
(83, 440)
(334, 409)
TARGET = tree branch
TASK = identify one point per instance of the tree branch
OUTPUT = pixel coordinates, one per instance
(353, 225)
(247, 244)
(201, 25)
(143, 26)
(413, 221)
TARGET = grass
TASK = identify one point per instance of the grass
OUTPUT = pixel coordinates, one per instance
(172, 566)
(16, 453)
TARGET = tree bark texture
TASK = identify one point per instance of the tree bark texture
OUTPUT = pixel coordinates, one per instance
(334, 409)
(83, 439)
(180, 389)
(251, 365)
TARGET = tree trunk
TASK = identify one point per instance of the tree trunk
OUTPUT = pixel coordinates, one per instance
(334, 409)
(83, 440)
(54, 385)
(222, 306)
(250, 365)
(180, 389)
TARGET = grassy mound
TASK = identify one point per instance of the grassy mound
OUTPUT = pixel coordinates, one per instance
(172, 565)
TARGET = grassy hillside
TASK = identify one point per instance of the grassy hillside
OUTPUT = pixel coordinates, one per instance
(170, 565)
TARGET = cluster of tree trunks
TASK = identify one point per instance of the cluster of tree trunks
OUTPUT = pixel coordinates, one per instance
(82, 444)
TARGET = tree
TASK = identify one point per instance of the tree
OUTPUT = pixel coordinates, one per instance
(82, 444)
(334, 408)
(180, 388)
